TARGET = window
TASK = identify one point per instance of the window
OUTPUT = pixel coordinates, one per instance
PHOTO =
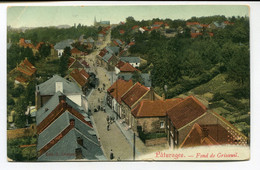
(161, 124)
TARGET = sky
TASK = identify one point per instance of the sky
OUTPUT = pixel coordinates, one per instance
(37, 16)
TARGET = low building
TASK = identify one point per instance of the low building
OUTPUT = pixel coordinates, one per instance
(81, 77)
(123, 67)
(132, 97)
(115, 92)
(149, 116)
(59, 47)
(181, 118)
(76, 53)
(146, 77)
(65, 132)
(23, 72)
(108, 57)
(134, 61)
(47, 89)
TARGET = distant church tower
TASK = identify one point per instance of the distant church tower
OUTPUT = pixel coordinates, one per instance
(95, 21)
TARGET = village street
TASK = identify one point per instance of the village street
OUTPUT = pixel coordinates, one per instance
(118, 138)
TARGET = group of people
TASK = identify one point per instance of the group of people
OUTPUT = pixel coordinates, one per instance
(110, 120)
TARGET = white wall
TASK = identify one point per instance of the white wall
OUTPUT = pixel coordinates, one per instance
(76, 98)
(135, 65)
(117, 70)
(60, 52)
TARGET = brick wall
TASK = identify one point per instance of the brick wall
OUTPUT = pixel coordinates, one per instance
(151, 124)
(156, 141)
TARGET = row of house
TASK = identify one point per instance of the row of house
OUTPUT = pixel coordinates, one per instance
(187, 122)
(64, 127)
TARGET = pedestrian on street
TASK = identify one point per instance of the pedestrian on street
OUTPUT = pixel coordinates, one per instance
(107, 119)
(107, 127)
(111, 155)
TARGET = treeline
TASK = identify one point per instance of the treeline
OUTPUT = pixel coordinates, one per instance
(52, 34)
(183, 63)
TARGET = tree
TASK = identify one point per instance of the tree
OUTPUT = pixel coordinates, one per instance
(137, 77)
(64, 61)
(45, 50)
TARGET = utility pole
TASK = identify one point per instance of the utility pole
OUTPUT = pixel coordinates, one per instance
(134, 147)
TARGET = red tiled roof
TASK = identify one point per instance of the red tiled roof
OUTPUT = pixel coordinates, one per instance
(186, 111)
(201, 135)
(228, 23)
(78, 77)
(120, 64)
(128, 68)
(134, 27)
(103, 52)
(194, 35)
(154, 28)
(121, 31)
(84, 73)
(192, 23)
(71, 61)
(158, 23)
(166, 24)
(114, 41)
(26, 67)
(204, 25)
(75, 51)
(131, 43)
(85, 64)
(211, 34)
(21, 79)
(38, 45)
(149, 108)
(119, 88)
(145, 28)
(134, 94)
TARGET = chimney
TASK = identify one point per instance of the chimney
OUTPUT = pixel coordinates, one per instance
(80, 141)
(62, 98)
(72, 122)
(59, 87)
(78, 153)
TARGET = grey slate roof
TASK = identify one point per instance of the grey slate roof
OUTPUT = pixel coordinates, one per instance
(50, 105)
(119, 42)
(91, 147)
(53, 130)
(49, 87)
(130, 59)
(63, 44)
(113, 50)
(107, 56)
(145, 76)
(28, 41)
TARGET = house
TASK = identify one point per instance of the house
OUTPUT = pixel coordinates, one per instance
(141, 30)
(121, 32)
(166, 26)
(108, 57)
(23, 72)
(135, 28)
(134, 61)
(81, 78)
(195, 35)
(181, 118)
(189, 24)
(47, 89)
(146, 77)
(149, 115)
(118, 42)
(75, 63)
(75, 53)
(25, 43)
(65, 132)
(132, 97)
(207, 135)
(124, 67)
(59, 47)
(115, 92)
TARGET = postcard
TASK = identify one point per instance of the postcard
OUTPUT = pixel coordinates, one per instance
(128, 83)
